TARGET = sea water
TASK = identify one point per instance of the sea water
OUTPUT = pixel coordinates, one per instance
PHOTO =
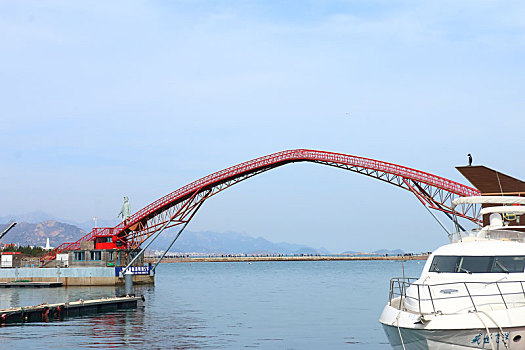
(238, 305)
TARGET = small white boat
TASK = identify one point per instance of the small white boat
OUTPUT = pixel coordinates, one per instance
(471, 293)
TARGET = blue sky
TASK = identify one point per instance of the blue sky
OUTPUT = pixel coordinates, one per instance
(104, 99)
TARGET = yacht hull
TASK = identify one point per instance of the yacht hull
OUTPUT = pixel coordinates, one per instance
(420, 339)
(461, 331)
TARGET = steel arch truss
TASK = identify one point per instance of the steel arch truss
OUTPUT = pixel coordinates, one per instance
(180, 206)
(430, 196)
(178, 214)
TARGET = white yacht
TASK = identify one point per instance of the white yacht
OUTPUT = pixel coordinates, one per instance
(471, 293)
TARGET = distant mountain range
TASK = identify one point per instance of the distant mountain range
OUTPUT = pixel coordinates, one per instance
(36, 217)
(33, 229)
(229, 243)
(36, 234)
(25, 233)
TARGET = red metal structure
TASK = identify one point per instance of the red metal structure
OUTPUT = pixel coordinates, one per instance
(180, 206)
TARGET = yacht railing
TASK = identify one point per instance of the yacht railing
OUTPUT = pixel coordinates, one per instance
(429, 298)
(456, 237)
(498, 234)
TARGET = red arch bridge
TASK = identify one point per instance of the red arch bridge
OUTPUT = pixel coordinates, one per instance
(180, 206)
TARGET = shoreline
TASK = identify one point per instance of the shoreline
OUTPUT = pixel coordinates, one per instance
(284, 258)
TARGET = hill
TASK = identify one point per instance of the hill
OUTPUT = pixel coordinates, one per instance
(229, 243)
(25, 233)
(36, 217)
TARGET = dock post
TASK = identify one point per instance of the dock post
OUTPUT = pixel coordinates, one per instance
(128, 282)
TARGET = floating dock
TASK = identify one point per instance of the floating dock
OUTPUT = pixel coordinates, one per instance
(49, 312)
(27, 284)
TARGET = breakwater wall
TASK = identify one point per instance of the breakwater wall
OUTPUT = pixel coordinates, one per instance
(285, 258)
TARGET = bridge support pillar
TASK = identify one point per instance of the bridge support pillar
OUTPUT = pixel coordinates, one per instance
(128, 282)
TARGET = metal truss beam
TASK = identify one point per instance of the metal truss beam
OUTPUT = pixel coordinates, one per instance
(179, 206)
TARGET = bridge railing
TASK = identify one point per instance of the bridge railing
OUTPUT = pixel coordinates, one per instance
(395, 169)
(300, 155)
(272, 160)
(67, 246)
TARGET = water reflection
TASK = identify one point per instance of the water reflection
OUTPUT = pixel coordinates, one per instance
(114, 330)
(15, 297)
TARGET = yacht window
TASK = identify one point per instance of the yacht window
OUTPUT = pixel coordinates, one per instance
(444, 264)
(474, 264)
(508, 264)
(478, 264)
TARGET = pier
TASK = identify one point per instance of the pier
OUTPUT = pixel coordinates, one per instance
(77, 276)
